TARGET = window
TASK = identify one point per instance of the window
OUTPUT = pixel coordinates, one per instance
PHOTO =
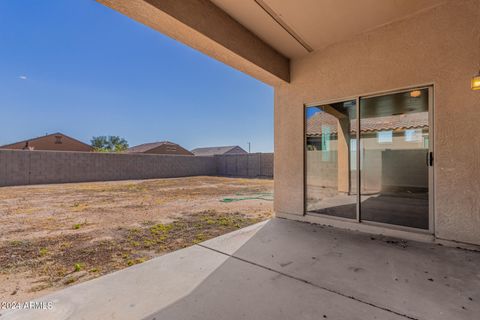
(58, 139)
(413, 135)
(326, 136)
(384, 136)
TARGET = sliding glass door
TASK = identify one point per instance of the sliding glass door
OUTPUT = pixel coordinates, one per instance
(330, 159)
(394, 156)
(392, 167)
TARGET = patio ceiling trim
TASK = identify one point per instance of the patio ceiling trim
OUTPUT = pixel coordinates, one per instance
(202, 25)
(276, 17)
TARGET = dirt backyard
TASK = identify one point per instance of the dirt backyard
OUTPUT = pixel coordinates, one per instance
(52, 236)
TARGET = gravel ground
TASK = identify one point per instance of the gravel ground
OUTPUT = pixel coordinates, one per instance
(52, 236)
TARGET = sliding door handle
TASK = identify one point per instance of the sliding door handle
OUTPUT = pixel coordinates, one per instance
(430, 159)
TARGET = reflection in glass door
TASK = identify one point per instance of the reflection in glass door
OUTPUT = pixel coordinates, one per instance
(394, 158)
(330, 159)
(394, 161)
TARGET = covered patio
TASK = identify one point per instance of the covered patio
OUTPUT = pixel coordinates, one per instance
(357, 63)
(376, 104)
(283, 269)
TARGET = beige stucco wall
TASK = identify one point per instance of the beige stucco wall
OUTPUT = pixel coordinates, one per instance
(441, 46)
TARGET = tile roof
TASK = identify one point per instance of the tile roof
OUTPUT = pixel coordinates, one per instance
(149, 146)
(210, 151)
(397, 122)
(41, 137)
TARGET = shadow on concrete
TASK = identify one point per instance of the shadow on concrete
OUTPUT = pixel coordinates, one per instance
(292, 270)
(282, 269)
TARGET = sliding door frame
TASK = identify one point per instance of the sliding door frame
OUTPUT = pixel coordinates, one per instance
(431, 184)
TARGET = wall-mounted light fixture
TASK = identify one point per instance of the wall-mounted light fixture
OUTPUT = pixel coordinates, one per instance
(476, 81)
(415, 93)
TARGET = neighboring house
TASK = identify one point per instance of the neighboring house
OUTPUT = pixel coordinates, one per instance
(54, 142)
(161, 147)
(212, 151)
(322, 130)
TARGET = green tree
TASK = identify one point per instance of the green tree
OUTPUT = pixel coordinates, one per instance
(109, 144)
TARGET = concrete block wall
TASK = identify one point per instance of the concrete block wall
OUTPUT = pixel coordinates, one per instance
(252, 165)
(380, 169)
(406, 168)
(19, 167)
(321, 172)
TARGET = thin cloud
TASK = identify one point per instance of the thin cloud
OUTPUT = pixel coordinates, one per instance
(22, 77)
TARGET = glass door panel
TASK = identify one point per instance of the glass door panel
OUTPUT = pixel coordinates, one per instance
(330, 155)
(394, 159)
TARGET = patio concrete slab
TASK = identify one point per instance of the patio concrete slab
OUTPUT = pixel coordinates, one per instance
(132, 293)
(419, 280)
(239, 290)
(282, 269)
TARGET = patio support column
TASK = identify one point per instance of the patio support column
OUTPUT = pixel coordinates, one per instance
(343, 147)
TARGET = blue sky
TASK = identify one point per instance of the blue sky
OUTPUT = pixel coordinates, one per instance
(80, 68)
